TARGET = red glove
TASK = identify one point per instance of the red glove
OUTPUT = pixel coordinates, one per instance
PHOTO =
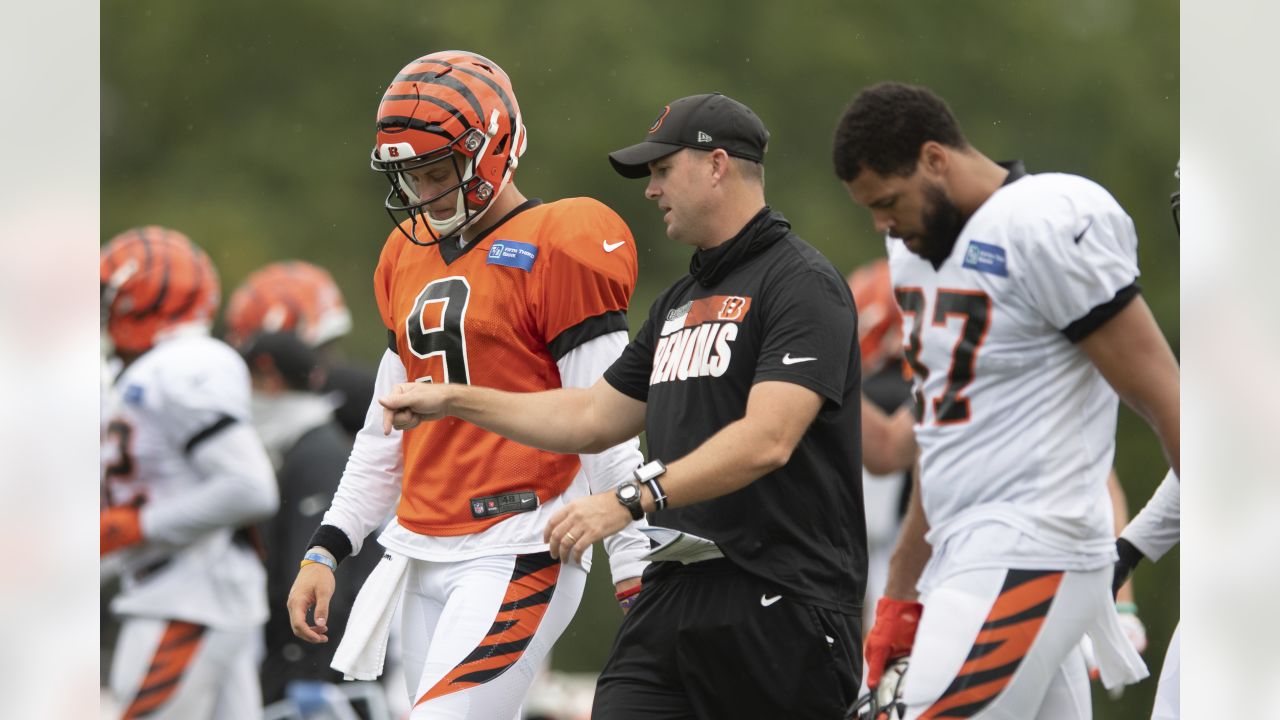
(120, 527)
(891, 637)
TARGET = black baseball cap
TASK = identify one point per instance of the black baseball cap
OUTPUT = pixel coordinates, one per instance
(293, 358)
(701, 122)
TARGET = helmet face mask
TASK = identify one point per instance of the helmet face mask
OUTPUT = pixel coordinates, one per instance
(885, 702)
(455, 106)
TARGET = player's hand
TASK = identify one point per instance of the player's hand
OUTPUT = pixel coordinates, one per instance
(1133, 628)
(582, 522)
(312, 588)
(119, 527)
(409, 404)
(891, 637)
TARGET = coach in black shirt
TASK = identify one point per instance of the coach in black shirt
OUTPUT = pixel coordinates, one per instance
(746, 378)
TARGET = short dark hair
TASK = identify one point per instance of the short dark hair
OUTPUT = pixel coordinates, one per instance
(884, 127)
(750, 169)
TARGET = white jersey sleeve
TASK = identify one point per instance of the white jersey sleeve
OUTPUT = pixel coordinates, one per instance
(370, 484)
(1075, 253)
(581, 367)
(237, 488)
(1156, 529)
(206, 389)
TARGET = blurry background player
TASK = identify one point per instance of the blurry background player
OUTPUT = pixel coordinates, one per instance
(182, 470)
(302, 298)
(482, 286)
(309, 450)
(886, 387)
(1026, 324)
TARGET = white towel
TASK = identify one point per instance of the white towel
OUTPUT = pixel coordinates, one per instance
(1118, 662)
(363, 648)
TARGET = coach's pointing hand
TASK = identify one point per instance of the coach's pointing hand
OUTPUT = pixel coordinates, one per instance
(410, 404)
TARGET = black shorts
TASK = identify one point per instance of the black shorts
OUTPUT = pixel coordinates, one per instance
(710, 641)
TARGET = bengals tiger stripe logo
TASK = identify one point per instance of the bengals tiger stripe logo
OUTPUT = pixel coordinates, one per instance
(1002, 644)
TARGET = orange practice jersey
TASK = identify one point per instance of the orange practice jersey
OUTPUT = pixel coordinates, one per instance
(549, 278)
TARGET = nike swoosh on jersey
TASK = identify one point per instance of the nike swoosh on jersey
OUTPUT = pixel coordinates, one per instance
(1080, 236)
(766, 601)
(788, 360)
(610, 247)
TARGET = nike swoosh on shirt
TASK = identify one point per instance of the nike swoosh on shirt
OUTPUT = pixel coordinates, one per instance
(788, 360)
(1080, 236)
(766, 601)
(610, 247)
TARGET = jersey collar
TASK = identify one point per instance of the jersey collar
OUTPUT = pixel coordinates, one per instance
(450, 250)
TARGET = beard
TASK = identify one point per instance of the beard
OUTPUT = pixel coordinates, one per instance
(943, 222)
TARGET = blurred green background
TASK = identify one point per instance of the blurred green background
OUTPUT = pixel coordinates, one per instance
(248, 126)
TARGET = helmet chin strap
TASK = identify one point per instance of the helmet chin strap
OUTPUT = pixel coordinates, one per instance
(444, 228)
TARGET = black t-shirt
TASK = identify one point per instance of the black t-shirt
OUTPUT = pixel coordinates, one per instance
(764, 306)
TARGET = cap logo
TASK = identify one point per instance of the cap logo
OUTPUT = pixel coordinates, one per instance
(703, 137)
(657, 123)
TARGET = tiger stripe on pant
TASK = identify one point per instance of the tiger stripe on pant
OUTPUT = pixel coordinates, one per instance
(533, 582)
(1002, 643)
(173, 656)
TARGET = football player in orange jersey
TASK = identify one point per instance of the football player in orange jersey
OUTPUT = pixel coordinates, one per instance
(476, 285)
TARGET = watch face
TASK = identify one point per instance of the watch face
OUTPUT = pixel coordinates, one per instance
(628, 492)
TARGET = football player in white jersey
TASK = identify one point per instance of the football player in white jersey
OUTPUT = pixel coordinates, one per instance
(1023, 322)
(181, 471)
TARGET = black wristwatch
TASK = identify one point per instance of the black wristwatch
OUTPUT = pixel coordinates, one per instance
(649, 474)
(628, 493)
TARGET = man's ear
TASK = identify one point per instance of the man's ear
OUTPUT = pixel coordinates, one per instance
(720, 162)
(934, 158)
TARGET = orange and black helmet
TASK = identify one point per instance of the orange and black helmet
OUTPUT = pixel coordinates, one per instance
(154, 279)
(288, 296)
(450, 106)
(879, 318)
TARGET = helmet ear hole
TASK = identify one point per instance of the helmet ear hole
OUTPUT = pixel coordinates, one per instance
(502, 145)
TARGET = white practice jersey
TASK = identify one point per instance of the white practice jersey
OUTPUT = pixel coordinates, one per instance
(1017, 428)
(180, 408)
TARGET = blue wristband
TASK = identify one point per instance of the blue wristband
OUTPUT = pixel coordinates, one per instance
(321, 558)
